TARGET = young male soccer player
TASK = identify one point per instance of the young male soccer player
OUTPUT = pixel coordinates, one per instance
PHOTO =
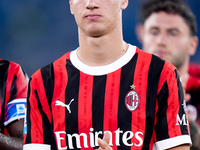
(105, 88)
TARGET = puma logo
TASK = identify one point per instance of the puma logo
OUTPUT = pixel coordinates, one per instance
(59, 103)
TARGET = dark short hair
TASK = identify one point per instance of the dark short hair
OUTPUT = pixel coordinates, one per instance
(172, 7)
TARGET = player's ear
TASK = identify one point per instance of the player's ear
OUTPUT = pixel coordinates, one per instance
(193, 45)
(139, 30)
(71, 7)
(124, 4)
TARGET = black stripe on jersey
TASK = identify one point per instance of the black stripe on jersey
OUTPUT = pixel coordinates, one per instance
(45, 122)
(48, 82)
(72, 92)
(47, 73)
(98, 96)
(28, 138)
(127, 76)
(154, 73)
(3, 76)
(162, 108)
(181, 102)
(13, 89)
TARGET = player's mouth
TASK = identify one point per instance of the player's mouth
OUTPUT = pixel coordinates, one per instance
(160, 53)
(93, 16)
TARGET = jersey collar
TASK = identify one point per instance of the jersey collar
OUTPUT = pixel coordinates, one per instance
(103, 70)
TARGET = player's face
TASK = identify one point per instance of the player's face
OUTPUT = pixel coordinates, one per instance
(97, 17)
(168, 36)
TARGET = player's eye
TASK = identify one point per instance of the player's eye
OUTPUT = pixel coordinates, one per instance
(154, 32)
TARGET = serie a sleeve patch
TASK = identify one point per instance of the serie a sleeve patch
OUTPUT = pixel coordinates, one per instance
(15, 110)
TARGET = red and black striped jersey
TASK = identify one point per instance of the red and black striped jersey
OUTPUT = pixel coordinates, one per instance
(13, 93)
(138, 100)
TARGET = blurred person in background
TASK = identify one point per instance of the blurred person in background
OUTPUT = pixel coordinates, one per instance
(168, 29)
(13, 92)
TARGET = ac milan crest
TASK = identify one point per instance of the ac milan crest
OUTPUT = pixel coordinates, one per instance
(132, 100)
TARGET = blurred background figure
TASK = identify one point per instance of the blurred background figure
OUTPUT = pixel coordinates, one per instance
(13, 91)
(168, 29)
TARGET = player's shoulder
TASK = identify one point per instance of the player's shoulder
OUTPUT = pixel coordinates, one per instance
(145, 54)
(50, 68)
(9, 63)
(12, 66)
(158, 66)
(156, 59)
(62, 60)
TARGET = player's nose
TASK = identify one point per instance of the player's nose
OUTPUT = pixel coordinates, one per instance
(92, 4)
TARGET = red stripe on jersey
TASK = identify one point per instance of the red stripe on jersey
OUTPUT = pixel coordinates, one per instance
(24, 138)
(35, 115)
(60, 82)
(9, 81)
(21, 84)
(140, 83)
(85, 106)
(111, 103)
(43, 98)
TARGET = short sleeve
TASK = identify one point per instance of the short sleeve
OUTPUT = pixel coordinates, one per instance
(171, 124)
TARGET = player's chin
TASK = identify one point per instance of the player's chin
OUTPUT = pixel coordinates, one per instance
(96, 33)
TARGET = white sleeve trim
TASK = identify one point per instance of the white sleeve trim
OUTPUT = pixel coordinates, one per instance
(18, 100)
(172, 142)
(17, 117)
(36, 147)
(13, 119)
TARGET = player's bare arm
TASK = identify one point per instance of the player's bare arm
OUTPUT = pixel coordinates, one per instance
(15, 139)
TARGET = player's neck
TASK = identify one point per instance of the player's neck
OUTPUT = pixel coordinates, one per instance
(183, 70)
(99, 51)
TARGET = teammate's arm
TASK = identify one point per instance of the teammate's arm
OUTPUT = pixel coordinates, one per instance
(15, 139)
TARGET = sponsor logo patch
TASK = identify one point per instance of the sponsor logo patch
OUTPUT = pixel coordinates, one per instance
(20, 108)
